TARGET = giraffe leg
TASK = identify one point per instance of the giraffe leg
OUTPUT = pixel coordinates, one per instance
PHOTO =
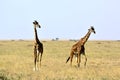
(40, 59)
(76, 59)
(38, 56)
(76, 56)
(35, 59)
(79, 59)
(85, 60)
(41, 55)
(71, 57)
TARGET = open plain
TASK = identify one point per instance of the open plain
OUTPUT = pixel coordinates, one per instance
(16, 61)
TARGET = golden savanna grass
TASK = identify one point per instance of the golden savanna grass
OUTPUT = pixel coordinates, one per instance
(16, 61)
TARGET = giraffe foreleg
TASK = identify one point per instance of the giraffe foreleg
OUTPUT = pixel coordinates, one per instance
(35, 62)
(85, 60)
(38, 56)
(35, 59)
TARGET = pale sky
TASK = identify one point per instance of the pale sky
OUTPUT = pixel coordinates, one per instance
(64, 19)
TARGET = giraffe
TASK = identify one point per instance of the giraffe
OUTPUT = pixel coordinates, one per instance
(78, 48)
(38, 47)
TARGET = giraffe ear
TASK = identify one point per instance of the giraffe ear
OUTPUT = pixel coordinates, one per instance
(33, 22)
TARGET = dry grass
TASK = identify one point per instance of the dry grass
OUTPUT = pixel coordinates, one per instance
(16, 61)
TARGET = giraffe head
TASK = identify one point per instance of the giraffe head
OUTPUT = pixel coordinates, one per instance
(92, 29)
(36, 24)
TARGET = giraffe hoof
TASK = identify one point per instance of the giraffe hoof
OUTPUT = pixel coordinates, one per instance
(35, 69)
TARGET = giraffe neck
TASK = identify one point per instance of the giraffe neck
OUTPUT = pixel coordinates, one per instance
(36, 36)
(85, 38)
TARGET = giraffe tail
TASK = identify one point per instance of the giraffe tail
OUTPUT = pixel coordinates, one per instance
(68, 59)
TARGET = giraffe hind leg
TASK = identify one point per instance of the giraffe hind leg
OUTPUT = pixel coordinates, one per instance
(38, 56)
(76, 56)
(41, 51)
(40, 59)
(71, 57)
